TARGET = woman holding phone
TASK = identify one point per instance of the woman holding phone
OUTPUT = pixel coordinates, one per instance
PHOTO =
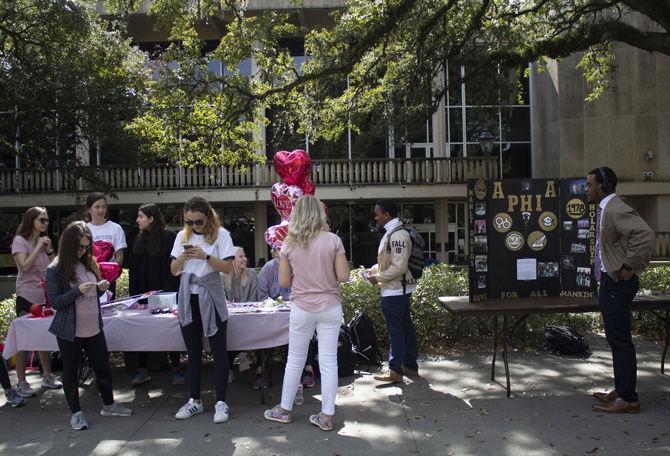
(73, 286)
(202, 250)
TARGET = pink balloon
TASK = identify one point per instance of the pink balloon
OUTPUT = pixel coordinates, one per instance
(284, 198)
(103, 251)
(294, 167)
(308, 186)
(276, 234)
(110, 270)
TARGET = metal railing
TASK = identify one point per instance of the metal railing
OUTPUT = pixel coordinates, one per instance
(324, 173)
(662, 250)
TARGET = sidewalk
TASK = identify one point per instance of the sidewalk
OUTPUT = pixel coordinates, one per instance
(453, 409)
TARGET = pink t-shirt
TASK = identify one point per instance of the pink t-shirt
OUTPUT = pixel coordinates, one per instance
(28, 282)
(86, 306)
(315, 286)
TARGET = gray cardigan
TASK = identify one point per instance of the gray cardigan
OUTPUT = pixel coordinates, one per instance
(63, 297)
(211, 299)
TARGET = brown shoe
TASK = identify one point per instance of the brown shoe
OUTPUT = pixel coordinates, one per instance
(605, 397)
(409, 372)
(618, 405)
(391, 377)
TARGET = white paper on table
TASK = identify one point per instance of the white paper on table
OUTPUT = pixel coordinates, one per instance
(526, 269)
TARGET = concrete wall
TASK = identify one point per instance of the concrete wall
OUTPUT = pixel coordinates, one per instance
(572, 136)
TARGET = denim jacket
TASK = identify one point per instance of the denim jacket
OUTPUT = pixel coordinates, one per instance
(63, 297)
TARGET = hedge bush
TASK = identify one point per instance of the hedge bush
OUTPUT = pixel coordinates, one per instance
(435, 327)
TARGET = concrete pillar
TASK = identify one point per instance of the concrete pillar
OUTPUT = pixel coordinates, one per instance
(261, 224)
(440, 123)
(442, 229)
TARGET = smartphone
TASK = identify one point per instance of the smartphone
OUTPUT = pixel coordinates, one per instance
(187, 246)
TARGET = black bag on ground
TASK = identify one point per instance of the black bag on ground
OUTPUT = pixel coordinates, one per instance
(364, 339)
(346, 359)
(566, 341)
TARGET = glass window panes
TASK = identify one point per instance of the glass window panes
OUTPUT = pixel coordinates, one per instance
(515, 123)
(480, 119)
(455, 124)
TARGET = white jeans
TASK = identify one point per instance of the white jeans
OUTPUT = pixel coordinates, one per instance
(301, 330)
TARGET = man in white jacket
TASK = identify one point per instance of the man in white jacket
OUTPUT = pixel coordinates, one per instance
(397, 284)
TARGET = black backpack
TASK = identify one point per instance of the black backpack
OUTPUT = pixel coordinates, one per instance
(346, 359)
(417, 261)
(565, 341)
(364, 339)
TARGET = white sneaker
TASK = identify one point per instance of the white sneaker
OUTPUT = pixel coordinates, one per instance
(78, 422)
(221, 412)
(189, 409)
(24, 389)
(51, 382)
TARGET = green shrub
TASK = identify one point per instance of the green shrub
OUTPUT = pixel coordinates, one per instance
(654, 279)
(122, 285)
(7, 314)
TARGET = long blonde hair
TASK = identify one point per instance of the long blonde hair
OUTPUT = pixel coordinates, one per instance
(212, 223)
(238, 276)
(308, 219)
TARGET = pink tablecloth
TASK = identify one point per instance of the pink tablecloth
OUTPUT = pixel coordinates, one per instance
(139, 330)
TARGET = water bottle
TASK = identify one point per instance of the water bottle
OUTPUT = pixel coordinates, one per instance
(299, 398)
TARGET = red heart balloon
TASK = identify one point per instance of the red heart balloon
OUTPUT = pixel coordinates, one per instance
(294, 167)
(308, 186)
(284, 197)
(110, 270)
(36, 310)
(276, 234)
(103, 251)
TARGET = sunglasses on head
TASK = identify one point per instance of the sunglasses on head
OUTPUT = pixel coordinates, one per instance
(194, 222)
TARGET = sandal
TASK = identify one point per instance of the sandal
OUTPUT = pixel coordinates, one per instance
(276, 414)
(321, 421)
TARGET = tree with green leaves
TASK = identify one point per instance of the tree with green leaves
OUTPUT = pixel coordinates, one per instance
(70, 81)
(382, 66)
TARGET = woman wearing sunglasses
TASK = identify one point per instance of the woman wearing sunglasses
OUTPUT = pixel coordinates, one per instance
(202, 250)
(73, 286)
(32, 252)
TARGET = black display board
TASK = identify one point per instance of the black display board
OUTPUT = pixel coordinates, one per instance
(530, 238)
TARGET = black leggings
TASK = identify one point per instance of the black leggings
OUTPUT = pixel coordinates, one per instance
(142, 358)
(4, 375)
(193, 333)
(98, 355)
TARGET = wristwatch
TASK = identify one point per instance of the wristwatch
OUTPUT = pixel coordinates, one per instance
(207, 257)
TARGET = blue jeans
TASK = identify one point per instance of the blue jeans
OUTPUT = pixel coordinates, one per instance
(403, 349)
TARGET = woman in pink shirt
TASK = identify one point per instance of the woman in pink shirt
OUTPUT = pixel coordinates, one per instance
(312, 263)
(32, 251)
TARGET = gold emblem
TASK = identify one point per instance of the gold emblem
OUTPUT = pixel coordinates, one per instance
(576, 208)
(502, 222)
(514, 241)
(537, 240)
(548, 221)
(480, 189)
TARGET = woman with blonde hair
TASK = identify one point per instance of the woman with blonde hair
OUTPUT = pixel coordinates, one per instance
(201, 251)
(241, 283)
(32, 251)
(312, 263)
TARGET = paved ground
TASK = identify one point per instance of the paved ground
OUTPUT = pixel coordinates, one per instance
(454, 409)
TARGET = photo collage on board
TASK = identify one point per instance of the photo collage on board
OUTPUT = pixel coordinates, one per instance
(530, 238)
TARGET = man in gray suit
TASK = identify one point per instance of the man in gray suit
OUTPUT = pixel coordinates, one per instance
(624, 244)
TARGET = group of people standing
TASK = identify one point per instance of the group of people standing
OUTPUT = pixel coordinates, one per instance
(206, 270)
